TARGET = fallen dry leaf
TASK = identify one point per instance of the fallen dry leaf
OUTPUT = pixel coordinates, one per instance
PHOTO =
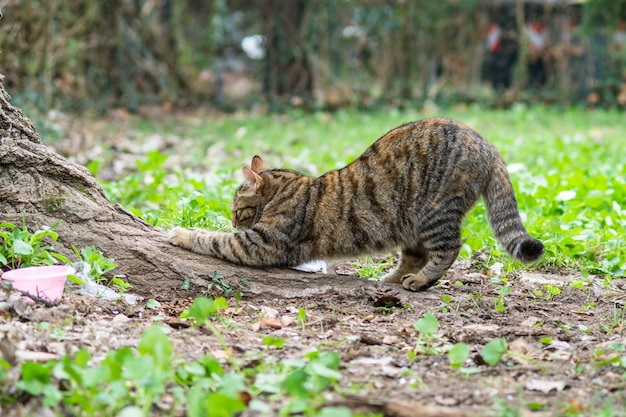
(221, 354)
(287, 320)
(369, 318)
(273, 323)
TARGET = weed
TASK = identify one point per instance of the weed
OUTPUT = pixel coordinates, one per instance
(370, 268)
(494, 350)
(203, 309)
(301, 317)
(218, 283)
(457, 355)
(100, 266)
(499, 304)
(19, 248)
(552, 291)
(426, 343)
(273, 342)
(617, 323)
(389, 308)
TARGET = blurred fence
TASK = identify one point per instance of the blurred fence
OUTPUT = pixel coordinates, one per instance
(92, 55)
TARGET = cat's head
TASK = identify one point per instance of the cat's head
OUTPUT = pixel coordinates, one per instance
(249, 199)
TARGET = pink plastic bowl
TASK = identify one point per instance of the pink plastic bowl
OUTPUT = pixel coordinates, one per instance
(45, 282)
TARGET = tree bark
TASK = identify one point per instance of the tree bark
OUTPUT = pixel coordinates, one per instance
(287, 71)
(40, 187)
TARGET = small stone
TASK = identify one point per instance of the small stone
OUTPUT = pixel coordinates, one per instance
(120, 318)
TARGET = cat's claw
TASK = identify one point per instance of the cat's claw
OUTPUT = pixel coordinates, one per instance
(414, 282)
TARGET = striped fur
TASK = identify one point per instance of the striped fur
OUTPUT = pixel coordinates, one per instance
(410, 189)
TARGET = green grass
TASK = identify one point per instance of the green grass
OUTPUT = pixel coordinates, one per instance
(566, 166)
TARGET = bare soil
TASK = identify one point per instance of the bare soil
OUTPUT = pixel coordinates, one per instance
(371, 326)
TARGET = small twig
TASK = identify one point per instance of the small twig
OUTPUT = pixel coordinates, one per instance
(38, 299)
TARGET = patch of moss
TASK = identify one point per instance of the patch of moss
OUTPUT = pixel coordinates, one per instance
(52, 204)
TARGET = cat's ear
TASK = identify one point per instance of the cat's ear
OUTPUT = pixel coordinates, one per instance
(257, 164)
(252, 181)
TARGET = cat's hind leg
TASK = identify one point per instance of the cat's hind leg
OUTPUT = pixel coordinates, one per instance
(439, 260)
(411, 260)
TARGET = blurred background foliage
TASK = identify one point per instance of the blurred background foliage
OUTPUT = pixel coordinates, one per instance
(89, 55)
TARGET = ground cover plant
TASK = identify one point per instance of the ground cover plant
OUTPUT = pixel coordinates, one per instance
(491, 339)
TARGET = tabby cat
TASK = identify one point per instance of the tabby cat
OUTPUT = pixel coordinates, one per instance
(410, 189)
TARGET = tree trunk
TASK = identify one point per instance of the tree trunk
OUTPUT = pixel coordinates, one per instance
(287, 72)
(40, 187)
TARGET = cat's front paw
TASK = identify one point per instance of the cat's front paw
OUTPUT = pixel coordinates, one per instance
(180, 236)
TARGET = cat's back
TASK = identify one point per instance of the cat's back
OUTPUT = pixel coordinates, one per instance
(432, 134)
(434, 143)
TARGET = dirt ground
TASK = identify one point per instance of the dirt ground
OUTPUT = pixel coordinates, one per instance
(371, 326)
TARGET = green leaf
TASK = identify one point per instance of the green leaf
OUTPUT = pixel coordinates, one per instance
(221, 405)
(458, 355)
(196, 406)
(469, 370)
(334, 412)
(320, 369)
(272, 341)
(506, 290)
(155, 343)
(35, 377)
(295, 383)
(301, 317)
(428, 325)
(82, 358)
(493, 351)
(22, 248)
(201, 309)
(152, 304)
(75, 279)
(221, 303)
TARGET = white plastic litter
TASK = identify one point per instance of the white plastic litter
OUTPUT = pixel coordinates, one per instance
(312, 266)
(93, 289)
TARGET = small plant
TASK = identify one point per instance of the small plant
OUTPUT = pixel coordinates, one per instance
(126, 380)
(494, 350)
(617, 322)
(301, 317)
(273, 342)
(457, 355)
(388, 308)
(552, 291)
(499, 305)
(445, 303)
(218, 283)
(427, 326)
(203, 309)
(371, 268)
(615, 357)
(307, 378)
(19, 248)
(99, 266)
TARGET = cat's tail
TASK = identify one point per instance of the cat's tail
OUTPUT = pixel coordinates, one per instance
(505, 219)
